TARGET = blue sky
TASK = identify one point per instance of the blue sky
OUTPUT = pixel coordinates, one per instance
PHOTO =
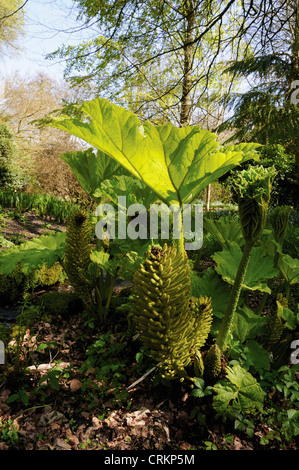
(48, 24)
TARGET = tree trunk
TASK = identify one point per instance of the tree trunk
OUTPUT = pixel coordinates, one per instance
(208, 197)
(185, 115)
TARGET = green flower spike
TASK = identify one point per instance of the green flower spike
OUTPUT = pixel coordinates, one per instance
(170, 323)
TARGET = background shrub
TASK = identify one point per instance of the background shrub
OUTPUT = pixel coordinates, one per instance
(284, 189)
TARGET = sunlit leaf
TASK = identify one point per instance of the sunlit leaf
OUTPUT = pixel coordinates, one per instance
(92, 168)
(176, 163)
(33, 254)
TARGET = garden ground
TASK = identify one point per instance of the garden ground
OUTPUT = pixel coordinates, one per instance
(78, 396)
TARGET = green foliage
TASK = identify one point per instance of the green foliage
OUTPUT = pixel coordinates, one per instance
(33, 254)
(62, 303)
(107, 358)
(173, 162)
(255, 183)
(253, 187)
(77, 255)
(289, 268)
(247, 325)
(210, 284)
(290, 243)
(170, 323)
(281, 413)
(91, 169)
(13, 286)
(133, 189)
(238, 393)
(266, 113)
(44, 205)
(225, 229)
(16, 284)
(284, 189)
(20, 348)
(260, 267)
(156, 86)
(9, 432)
(253, 356)
(11, 175)
(12, 23)
(279, 220)
(212, 362)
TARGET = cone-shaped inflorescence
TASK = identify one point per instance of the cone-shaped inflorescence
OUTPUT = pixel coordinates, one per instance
(253, 187)
(274, 325)
(279, 219)
(171, 324)
(273, 330)
(201, 318)
(212, 363)
(77, 254)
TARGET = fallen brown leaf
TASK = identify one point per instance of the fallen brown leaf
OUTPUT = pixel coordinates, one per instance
(75, 385)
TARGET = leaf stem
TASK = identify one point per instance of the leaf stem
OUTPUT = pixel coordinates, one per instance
(234, 297)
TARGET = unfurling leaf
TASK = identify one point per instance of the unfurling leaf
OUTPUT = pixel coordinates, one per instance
(238, 393)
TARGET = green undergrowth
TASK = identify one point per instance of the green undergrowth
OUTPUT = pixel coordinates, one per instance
(42, 204)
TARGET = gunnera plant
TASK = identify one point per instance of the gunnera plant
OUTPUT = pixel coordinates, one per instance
(77, 255)
(171, 323)
(253, 187)
(279, 220)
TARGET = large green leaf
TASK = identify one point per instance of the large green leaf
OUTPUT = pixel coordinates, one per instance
(46, 249)
(91, 168)
(247, 324)
(210, 284)
(225, 230)
(176, 163)
(255, 355)
(135, 191)
(289, 268)
(260, 267)
(239, 393)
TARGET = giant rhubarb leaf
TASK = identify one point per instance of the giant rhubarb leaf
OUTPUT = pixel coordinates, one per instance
(176, 163)
(46, 249)
(260, 267)
(289, 268)
(210, 284)
(239, 393)
(225, 230)
(91, 169)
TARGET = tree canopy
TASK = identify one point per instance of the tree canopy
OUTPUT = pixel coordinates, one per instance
(11, 23)
(164, 59)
